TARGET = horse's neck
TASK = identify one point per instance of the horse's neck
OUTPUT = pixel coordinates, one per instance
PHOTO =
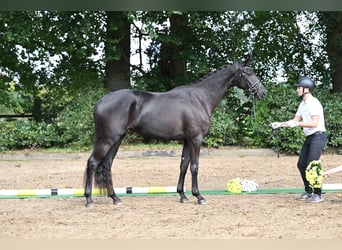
(217, 85)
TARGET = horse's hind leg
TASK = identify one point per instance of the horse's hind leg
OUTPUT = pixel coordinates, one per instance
(111, 193)
(183, 169)
(95, 159)
(92, 163)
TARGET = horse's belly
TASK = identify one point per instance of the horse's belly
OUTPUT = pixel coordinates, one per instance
(160, 127)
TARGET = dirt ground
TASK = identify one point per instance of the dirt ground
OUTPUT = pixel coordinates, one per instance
(245, 216)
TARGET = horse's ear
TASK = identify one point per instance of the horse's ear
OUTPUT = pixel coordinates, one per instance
(247, 61)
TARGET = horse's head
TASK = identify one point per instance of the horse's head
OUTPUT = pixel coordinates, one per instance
(246, 79)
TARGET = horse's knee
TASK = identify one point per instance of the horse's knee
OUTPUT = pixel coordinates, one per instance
(194, 169)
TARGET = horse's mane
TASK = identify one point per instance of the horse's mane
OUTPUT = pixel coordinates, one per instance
(212, 72)
(204, 77)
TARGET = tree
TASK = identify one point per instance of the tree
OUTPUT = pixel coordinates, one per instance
(172, 62)
(48, 55)
(332, 27)
(187, 45)
(169, 33)
(51, 63)
(211, 39)
(117, 50)
(51, 55)
(281, 43)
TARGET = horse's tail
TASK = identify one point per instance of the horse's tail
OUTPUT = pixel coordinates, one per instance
(103, 174)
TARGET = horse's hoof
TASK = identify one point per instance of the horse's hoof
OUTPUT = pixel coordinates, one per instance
(201, 202)
(117, 202)
(89, 205)
(183, 200)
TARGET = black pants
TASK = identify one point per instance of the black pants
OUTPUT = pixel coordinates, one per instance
(311, 150)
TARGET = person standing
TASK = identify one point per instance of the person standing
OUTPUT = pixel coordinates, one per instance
(310, 117)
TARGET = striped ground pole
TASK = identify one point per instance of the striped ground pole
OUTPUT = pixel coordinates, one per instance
(72, 192)
(144, 191)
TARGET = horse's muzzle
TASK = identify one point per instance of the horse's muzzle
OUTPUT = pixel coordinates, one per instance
(261, 95)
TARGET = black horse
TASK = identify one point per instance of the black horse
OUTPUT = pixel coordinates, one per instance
(183, 113)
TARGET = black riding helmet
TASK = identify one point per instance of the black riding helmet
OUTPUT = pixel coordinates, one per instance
(305, 82)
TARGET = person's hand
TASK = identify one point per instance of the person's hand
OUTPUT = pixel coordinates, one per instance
(291, 124)
(275, 125)
(288, 124)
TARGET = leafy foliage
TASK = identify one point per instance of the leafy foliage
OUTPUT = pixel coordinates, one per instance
(332, 113)
(75, 122)
(73, 126)
(52, 64)
(224, 128)
(30, 134)
(48, 50)
(280, 105)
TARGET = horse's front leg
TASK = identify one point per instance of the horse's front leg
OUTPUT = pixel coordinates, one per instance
(194, 165)
(183, 169)
(195, 190)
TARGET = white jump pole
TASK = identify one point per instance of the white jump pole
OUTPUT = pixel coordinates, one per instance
(328, 186)
(22, 193)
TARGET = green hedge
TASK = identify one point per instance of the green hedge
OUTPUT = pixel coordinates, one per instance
(75, 123)
(26, 134)
(233, 123)
(73, 126)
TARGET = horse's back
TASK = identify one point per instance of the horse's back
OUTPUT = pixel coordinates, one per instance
(119, 99)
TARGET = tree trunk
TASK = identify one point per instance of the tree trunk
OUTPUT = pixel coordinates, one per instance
(117, 51)
(333, 22)
(337, 76)
(172, 65)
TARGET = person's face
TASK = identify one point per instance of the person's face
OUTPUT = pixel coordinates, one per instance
(300, 91)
